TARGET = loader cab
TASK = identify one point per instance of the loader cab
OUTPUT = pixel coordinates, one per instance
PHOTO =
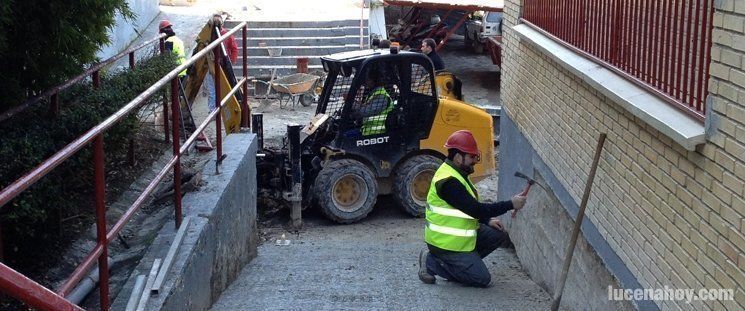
(380, 104)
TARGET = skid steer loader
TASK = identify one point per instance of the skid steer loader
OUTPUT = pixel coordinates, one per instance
(379, 129)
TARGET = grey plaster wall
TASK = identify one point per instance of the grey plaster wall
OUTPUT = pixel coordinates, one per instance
(221, 237)
(541, 232)
(126, 31)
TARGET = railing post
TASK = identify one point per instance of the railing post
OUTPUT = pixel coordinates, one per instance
(296, 195)
(96, 79)
(100, 197)
(175, 110)
(132, 60)
(54, 105)
(165, 118)
(257, 127)
(131, 149)
(245, 122)
(218, 118)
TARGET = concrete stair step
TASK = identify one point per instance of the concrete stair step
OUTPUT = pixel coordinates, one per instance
(302, 41)
(300, 50)
(282, 60)
(299, 24)
(266, 71)
(304, 32)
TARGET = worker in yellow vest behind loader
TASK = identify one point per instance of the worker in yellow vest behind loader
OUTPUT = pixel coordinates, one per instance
(173, 43)
(459, 229)
(376, 105)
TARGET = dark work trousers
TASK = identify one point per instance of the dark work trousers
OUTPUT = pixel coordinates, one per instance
(467, 268)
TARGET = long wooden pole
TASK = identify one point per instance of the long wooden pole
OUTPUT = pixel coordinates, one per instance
(577, 224)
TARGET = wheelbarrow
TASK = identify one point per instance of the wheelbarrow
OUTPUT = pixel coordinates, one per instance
(299, 87)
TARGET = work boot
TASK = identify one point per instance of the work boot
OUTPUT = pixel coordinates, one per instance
(424, 276)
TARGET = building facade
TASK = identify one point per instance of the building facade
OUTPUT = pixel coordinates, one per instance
(667, 205)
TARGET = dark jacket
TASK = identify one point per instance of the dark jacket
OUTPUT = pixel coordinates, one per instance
(436, 60)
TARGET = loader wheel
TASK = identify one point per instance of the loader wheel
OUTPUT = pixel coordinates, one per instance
(346, 190)
(411, 183)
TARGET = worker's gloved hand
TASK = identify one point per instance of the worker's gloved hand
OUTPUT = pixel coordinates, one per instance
(518, 201)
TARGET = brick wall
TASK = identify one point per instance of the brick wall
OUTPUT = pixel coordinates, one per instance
(674, 217)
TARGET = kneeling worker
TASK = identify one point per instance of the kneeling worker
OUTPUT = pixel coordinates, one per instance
(460, 230)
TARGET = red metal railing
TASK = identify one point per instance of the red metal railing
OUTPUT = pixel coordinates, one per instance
(664, 46)
(36, 295)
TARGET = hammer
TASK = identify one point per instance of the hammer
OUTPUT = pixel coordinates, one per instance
(527, 188)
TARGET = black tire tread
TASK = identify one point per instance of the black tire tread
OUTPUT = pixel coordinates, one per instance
(401, 193)
(324, 182)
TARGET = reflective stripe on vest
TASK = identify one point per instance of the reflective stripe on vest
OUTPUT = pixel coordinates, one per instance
(451, 231)
(449, 212)
(179, 50)
(447, 227)
(376, 124)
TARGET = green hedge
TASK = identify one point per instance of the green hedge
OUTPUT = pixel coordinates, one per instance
(33, 136)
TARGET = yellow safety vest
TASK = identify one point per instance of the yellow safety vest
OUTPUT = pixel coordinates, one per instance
(447, 227)
(376, 124)
(179, 50)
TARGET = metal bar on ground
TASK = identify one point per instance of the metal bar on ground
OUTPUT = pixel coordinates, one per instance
(134, 297)
(142, 304)
(561, 281)
(166, 264)
(80, 271)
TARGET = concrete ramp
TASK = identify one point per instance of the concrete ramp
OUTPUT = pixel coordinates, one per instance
(371, 265)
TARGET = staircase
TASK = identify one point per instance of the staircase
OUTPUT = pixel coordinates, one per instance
(297, 39)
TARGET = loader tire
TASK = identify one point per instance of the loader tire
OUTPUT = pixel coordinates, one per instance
(411, 183)
(346, 190)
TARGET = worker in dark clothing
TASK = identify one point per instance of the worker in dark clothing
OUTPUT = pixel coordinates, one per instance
(460, 230)
(428, 47)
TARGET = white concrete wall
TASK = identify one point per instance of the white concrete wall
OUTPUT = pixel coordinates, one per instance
(127, 31)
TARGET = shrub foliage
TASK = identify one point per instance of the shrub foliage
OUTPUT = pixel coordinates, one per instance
(44, 42)
(32, 136)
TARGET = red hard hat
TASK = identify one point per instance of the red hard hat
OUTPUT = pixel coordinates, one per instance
(463, 140)
(163, 24)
